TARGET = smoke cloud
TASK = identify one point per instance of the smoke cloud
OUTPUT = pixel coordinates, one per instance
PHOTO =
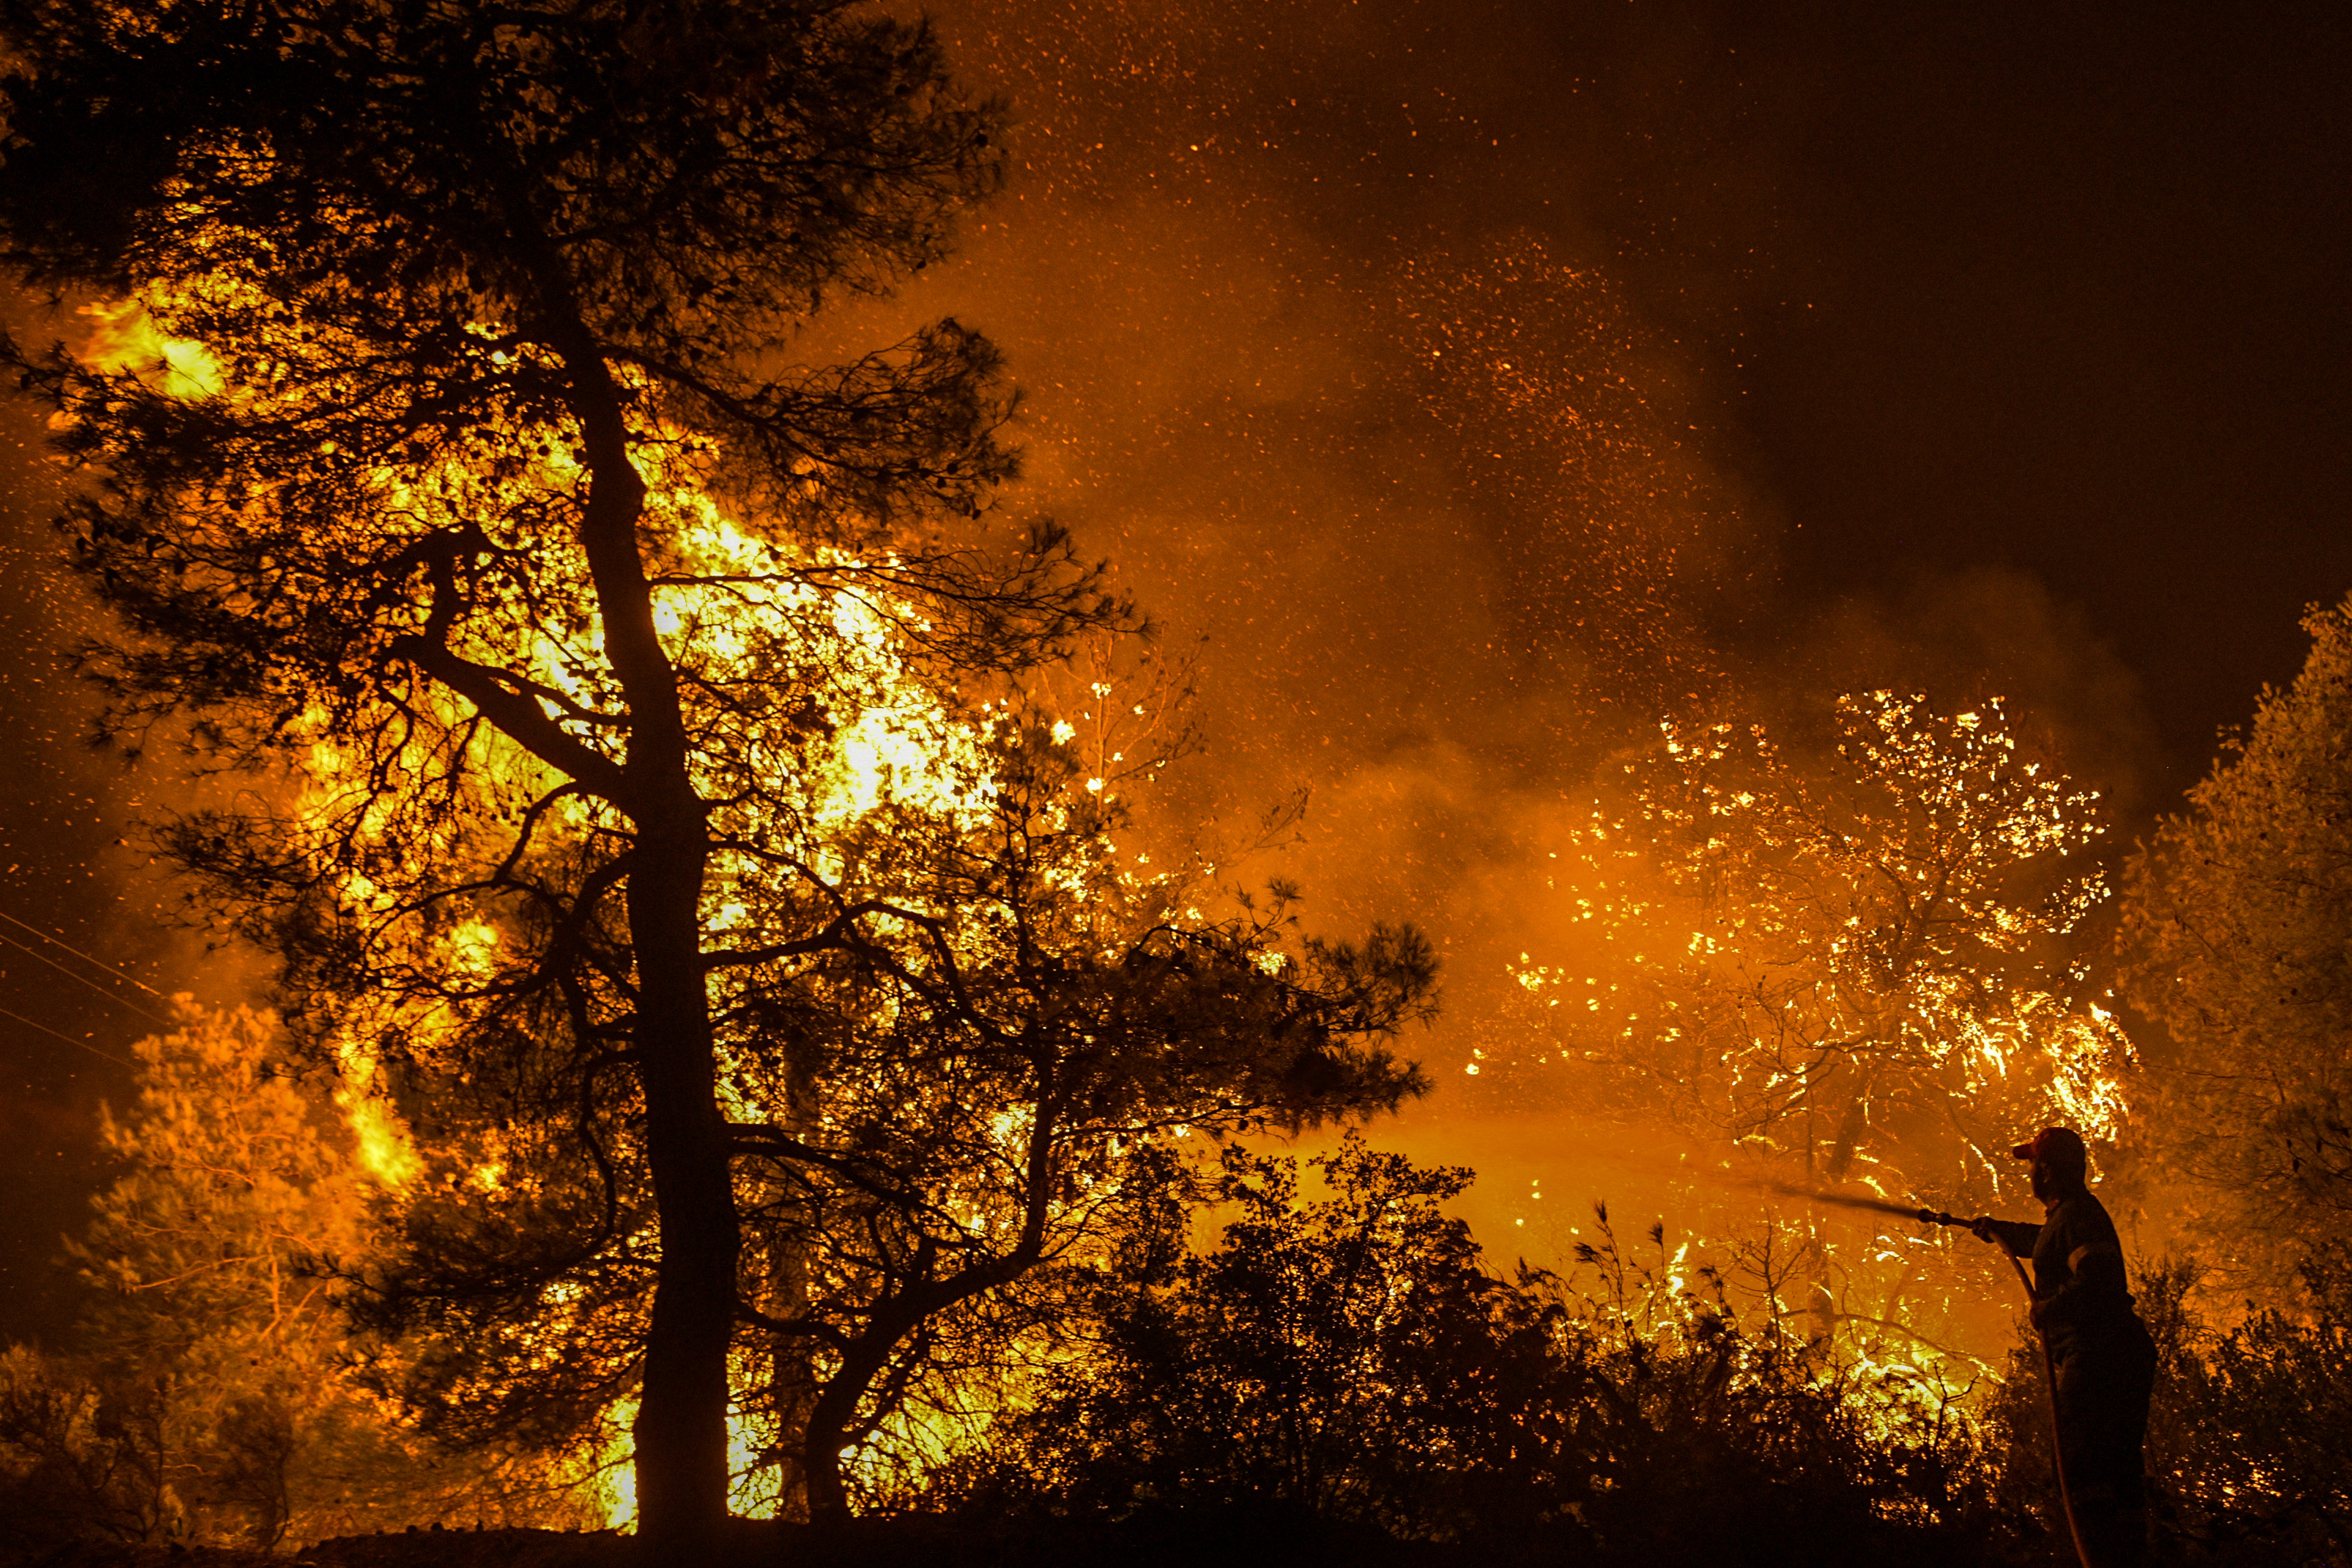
(1347, 336)
(1391, 353)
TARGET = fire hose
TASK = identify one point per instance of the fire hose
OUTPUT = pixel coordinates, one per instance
(2049, 1373)
(2049, 1367)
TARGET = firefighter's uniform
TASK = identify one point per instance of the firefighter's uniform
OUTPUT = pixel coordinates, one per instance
(2106, 1367)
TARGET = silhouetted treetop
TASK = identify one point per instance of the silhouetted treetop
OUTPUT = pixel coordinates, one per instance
(447, 448)
(648, 796)
(681, 182)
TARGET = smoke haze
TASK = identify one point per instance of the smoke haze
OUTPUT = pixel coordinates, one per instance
(1396, 356)
(1326, 348)
(1463, 385)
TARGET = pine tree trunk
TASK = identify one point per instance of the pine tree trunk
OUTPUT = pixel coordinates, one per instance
(681, 1428)
(792, 1381)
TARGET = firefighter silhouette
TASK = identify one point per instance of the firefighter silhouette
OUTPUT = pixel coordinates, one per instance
(2102, 1361)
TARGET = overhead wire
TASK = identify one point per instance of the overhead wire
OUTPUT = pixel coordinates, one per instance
(85, 1045)
(95, 963)
(78, 953)
(84, 979)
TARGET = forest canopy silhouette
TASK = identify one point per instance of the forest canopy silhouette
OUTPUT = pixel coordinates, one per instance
(662, 815)
(729, 1058)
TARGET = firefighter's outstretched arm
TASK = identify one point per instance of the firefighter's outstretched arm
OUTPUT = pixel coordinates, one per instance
(2016, 1235)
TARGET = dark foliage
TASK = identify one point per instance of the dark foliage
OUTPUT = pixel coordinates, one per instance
(81, 1454)
(1349, 1360)
(2250, 1434)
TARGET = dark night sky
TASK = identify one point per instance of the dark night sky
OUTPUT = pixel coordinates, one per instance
(1473, 376)
(2081, 313)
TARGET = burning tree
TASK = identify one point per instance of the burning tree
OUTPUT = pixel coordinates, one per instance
(1853, 968)
(931, 1094)
(646, 835)
(214, 1340)
(2235, 917)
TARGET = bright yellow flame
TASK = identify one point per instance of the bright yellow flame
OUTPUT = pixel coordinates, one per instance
(869, 738)
(386, 1152)
(124, 338)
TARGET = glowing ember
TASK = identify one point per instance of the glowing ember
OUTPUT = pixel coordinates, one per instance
(1842, 968)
